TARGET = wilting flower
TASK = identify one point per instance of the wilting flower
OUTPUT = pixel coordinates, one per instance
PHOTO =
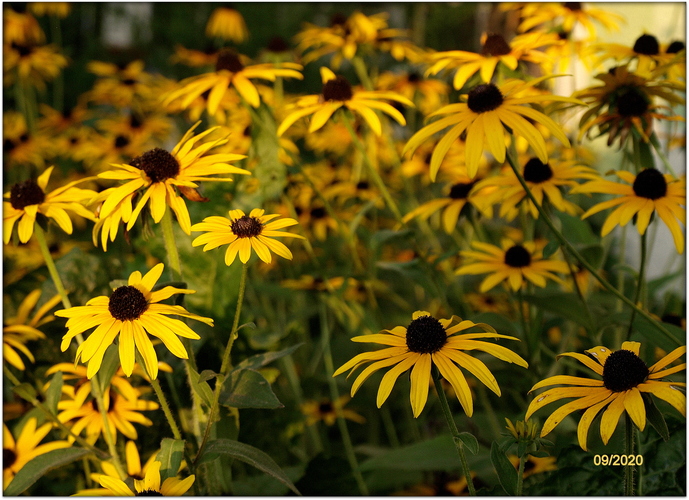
(625, 378)
(245, 232)
(228, 24)
(646, 193)
(425, 343)
(129, 313)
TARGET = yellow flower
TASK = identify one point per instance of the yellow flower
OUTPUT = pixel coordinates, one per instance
(130, 312)
(19, 329)
(243, 232)
(644, 194)
(160, 172)
(646, 51)
(128, 86)
(488, 110)
(338, 93)
(230, 71)
(513, 262)
(29, 198)
(429, 94)
(53, 9)
(568, 15)
(20, 27)
(15, 454)
(428, 342)
(123, 409)
(625, 377)
(228, 24)
(150, 486)
(326, 411)
(34, 64)
(495, 50)
(22, 147)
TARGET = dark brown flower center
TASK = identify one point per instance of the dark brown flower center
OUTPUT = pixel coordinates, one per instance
(426, 335)
(111, 402)
(326, 407)
(460, 191)
(149, 493)
(134, 121)
(278, 44)
(121, 141)
(127, 303)
(24, 50)
(647, 45)
(675, 47)
(623, 370)
(337, 89)
(158, 164)
(362, 186)
(318, 213)
(8, 458)
(632, 101)
(26, 193)
(246, 227)
(650, 184)
(536, 171)
(414, 77)
(229, 60)
(517, 256)
(572, 5)
(129, 81)
(484, 97)
(495, 45)
(338, 19)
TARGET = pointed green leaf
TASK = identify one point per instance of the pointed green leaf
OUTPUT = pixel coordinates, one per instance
(469, 441)
(551, 248)
(170, 457)
(507, 474)
(40, 465)
(655, 417)
(54, 393)
(435, 454)
(110, 364)
(567, 305)
(260, 360)
(201, 387)
(248, 389)
(25, 391)
(247, 454)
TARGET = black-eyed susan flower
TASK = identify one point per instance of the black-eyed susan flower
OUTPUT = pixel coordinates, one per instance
(228, 24)
(19, 26)
(646, 193)
(27, 199)
(624, 103)
(31, 64)
(646, 51)
(494, 51)
(486, 114)
(625, 377)
(20, 146)
(428, 342)
(567, 15)
(338, 93)
(428, 93)
(515, 263)
(545, 181)
(16, 453)
(231, 70)
(245, 232)
(150, 486)
(129, 314)
(52, 9)
(125, 85)
(19, 329)
(326, 411)
(162, 174)
(122, 408)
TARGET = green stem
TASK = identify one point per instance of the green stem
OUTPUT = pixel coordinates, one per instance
(43, 245)
(97, 392)
(630, 468)
(37, 404)
(389, 426)
(170, 245)
(163, 401)
(578, 256)
(362, 73)
(226, 364)
(334, 395)
(372, 171)
(293, 378)
(520, 476)
(454, 431)
(640, 282)
(661, 154)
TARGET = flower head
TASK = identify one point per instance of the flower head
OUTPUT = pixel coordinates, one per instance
(245, 232)
(428, 342)
(327, 410)
(130, 312)
(27, 199)
(488, 113)
(150, 486)
(228, 24)
(646, 193)
(625, 377)
(161, 174)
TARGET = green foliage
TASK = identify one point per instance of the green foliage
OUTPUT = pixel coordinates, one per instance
(170, 457)
(507, 474)
(39, 466)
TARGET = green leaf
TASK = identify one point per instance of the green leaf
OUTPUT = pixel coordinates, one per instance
(207, 375)
(578, 231)
(539, 454)
(654, 285)
(567, 305)
(435, 454)
(551, 248)
(25, 391)
(248, 389)
(654, 417)
(507, 474)
(108, 367)
(470, 441)
(39, 466)
(54, 393)
(170, 457)
(593, 254)
(247, 454)
(645, 154)
(201, 387)
(260, 360)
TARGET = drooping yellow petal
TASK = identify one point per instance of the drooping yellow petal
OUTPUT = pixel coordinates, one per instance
(420, 377)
